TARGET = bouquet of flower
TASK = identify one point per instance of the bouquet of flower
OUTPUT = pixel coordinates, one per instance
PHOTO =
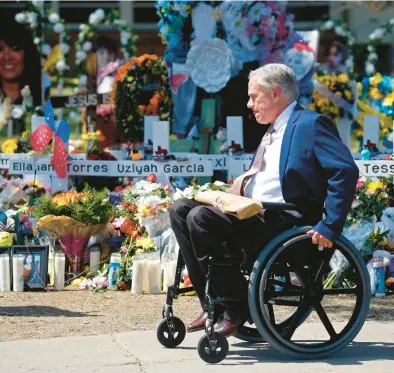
(191, 191)
(333, 95)
(74, 218)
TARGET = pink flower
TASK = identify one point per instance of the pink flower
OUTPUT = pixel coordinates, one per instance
(123, 249)
(360, 183)
(105, 284)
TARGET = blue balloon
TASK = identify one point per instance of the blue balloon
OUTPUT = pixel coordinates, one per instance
(63, 130)
(49, 116)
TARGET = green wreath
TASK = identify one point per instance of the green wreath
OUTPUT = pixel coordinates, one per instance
(141, 89)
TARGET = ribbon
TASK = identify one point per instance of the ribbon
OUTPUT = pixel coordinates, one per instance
(339, 101)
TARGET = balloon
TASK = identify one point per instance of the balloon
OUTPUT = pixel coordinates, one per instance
(63, 131)
(59, 158)
(41, 137)
(49, 116)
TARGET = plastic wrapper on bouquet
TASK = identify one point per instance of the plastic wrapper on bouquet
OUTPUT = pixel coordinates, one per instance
(73, 237)
(159, 230)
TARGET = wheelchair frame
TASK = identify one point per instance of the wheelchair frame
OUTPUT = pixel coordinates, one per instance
(213, 347)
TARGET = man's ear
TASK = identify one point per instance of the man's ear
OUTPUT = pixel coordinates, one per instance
(276, 92)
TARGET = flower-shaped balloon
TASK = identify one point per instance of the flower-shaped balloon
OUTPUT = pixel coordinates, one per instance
(209, 63)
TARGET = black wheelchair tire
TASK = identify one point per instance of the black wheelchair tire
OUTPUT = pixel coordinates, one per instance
(165, 338)
(260, 270)
(209, 356)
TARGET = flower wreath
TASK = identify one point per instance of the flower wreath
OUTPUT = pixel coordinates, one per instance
(134, 81)
(87, 31)
(375, 38)
(342, 30)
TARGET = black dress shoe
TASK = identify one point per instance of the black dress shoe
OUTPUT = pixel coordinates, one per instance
(198, 324)
(227, 327)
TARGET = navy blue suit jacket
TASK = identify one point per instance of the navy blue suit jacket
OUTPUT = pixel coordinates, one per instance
(317, 171)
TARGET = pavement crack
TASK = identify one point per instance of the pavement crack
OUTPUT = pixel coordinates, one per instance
(128, 354)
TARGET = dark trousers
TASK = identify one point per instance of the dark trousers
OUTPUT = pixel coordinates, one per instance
(204, 231)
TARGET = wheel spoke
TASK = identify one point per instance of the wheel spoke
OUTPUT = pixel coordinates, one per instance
(284, 293)
(296, 319)
(325, 320)
(324, 265)
(339, 291)
(271, 313)
(283, 302)
(285, 285)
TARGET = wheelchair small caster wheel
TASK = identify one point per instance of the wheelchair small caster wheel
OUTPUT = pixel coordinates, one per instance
(213, 354)
(171, 339)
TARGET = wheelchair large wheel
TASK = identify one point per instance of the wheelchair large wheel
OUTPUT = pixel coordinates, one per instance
(311, 265)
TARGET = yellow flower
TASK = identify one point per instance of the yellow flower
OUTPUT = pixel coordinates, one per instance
(343, 78)
(26, 135)
(338, 94)
(348, 94)
(389, 100)
(85, 136)
(376, 79)
(374, 185)
(9, 146)
(359, 87)
(375, 94)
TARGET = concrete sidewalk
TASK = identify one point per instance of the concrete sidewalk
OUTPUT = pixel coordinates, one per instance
(373, 351)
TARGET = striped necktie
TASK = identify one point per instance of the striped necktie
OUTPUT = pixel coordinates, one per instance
(238, 186)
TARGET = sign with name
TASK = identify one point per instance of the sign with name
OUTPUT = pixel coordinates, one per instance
(114, 168)
(6, 158)
(91, 99)
(219, 161)
(375, 168)
(239, 165)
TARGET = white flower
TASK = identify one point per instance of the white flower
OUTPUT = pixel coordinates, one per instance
(87, 46)
(61, 65)
(328, 25)
(372, 56)
(218, 183)
(58, 28)
(20, 17)
(38, 3)
(391, 21)
(54, 18)
(36, 41)
(178, 194)
(93, 20)
(126, 55)
(82, 27)
(339, 31)
(152, 201)
(32, 18)
(372, 36)
(351, 41)
(371, 48)
(64, 48)
(150, 187)
(141, 184)
(17, 112)
(379, 33)
(203, 61)
(124, 37)
(25, 92)
(81, 55)
(46, 49)
(369, 68)
(81, 36)
(100, 14)
(349, 63)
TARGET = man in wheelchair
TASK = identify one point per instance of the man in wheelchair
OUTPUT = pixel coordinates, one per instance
(301, 160)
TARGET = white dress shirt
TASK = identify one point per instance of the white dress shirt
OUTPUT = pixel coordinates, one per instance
(265, 185)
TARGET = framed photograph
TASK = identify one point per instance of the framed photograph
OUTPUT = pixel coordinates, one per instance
(35, 265)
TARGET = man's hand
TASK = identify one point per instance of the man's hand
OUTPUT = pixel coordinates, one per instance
(318, 239)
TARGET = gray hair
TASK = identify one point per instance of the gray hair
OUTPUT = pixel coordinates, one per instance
(277, 75)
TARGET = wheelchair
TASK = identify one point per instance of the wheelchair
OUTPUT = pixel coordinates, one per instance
(288, 281)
